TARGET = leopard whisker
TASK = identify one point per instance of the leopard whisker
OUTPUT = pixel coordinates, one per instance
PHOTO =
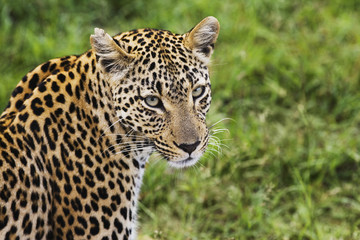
(215, 145)
(199, 164)
(219, 130)
(215, 150)
(135, 149)
(224, 119)
(130, 142)
(157, 157)
(109, 128)
(125, 135)
(129, 133)
(126, 144)
(129, 148)
(211, 153)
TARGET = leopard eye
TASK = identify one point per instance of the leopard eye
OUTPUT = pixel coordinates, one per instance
(198, 92)
(152, 101)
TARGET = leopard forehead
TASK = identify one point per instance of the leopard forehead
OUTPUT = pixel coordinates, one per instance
(163, 64)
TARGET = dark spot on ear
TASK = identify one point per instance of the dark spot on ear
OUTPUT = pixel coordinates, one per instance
(107, 64)
(205, 51)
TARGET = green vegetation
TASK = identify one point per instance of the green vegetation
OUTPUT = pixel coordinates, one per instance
(287, 73)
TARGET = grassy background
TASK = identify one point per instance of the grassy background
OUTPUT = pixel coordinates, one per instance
(285, 72)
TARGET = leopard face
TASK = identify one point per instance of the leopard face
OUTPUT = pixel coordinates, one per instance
(163, 92)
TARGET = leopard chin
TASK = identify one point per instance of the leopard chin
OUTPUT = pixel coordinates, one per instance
(188, 162)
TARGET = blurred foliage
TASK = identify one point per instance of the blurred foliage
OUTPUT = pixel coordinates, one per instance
(285, 72)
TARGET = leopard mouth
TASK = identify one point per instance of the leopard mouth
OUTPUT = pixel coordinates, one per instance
(179, 160)
(188, 162)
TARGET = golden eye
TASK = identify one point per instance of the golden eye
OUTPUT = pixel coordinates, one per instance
(198, 92)
(152, 101)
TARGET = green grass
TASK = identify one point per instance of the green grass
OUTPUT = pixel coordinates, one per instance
(287, 73)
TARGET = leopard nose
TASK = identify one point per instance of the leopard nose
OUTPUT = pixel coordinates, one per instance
(188, 148)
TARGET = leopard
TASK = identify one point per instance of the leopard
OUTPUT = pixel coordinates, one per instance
(78, 131)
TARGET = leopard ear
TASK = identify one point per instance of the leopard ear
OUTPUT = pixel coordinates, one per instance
(111, 56)
(202, 37)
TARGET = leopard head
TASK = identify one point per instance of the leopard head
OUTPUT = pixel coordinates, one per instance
(161, 86)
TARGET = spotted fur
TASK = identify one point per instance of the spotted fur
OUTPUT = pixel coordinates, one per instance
(78, 130)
